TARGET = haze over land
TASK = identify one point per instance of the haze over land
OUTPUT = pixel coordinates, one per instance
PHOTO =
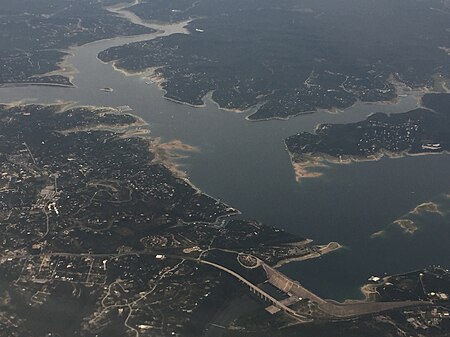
(292, 57)
(103, 232)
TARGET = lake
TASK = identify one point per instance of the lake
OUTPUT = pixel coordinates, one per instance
(246, 165)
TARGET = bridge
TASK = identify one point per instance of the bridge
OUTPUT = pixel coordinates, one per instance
(254, 288)
(293, 289)
(296, 291)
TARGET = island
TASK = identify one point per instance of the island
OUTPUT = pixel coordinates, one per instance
(418, 132)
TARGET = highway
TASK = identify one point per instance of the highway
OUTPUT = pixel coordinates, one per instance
(285, 284)
(255, 289)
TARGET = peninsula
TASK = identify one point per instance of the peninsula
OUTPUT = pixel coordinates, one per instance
(290, 58)
(421, 131)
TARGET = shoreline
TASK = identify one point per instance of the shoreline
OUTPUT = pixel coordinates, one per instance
(120, 9)
(322, 160)
(168, 161)
(66, 68)
(44, 84)
(171, 159)
(407, 224)
(323, 250)
(157, 79)
(401, 88)
(164, 152)
(369, 292)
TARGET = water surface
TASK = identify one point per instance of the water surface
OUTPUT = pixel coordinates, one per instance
(245, 164)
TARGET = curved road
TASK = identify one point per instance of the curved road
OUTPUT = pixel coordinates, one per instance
(286, 285)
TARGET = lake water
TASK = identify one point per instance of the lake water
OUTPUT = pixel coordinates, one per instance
(245, 164)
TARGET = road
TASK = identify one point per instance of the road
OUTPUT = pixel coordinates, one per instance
(330, 307)
(285, 284)
(255, 288)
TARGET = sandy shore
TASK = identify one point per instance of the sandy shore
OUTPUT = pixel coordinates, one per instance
(156, 77)
(369, 291)
(378, 234)
(66, 69)
(323, 249)
(429, 207)
(305, 164)
(407, 225)
(44, 84)
(167, 153)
